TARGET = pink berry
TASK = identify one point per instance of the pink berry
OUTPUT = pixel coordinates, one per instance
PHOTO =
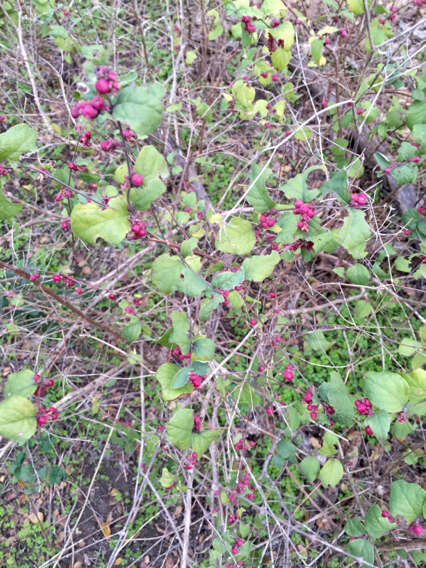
(360, 111)
(368, 431)
(261, 368)
(103, 86)
(36, 378)
(98, 103)
(57, 278)
(41, 420)
(269, 410)
(34, 277)
(111, 296)
(79, 290)
(288, 375)
(252, 321)
(275, 77)
(343, 32)
(382, 21)
(418, 530)
(137, 180)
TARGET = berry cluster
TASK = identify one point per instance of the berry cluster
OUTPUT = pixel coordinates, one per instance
(42, 386)
(363, 406)
(177, 354)
(196, 380)
(307, 245)
(107, 81)
(249, 27)
(237, 545)
(138, 230)
(288, 374)
(46, 414)
(89, 109)
(109, 145)
(192, 461)
(241, 445)
(312, 408)
(306, 212)
(3, 171)
(358, 199)
(416, 529)
(197, 423)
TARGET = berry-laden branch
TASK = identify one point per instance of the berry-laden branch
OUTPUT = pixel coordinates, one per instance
(71, 307)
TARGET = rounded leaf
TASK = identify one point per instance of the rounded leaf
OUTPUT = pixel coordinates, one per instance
(387, 391)
(17, 419)
(331, 473)
(237, 237)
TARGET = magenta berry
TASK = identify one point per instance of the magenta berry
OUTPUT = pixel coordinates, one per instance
(343, 32)
(252, 321)
(368, 431)
(57, 278)
(103, 86)
(137, 180)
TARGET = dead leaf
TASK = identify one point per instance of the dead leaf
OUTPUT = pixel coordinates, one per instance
(36, 517)
(315, 442)
(106, 529)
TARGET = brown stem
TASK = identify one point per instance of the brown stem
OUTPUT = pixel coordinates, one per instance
(71, 307)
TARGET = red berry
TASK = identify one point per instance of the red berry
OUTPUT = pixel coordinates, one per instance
(252, 321)
(89, 111)
(41, 420)
(98, 103)
(368, 431)
(137, 180)
(103, 86)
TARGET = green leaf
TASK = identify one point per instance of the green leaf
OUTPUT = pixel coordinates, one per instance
(382, 161)
(140, 107)
(165, 375)
(416, 114)
(363, 549)
(355, 527)
(17, 419)
(17, 140)
(166, 271)
(190, 56)
(132, 330)
(258, 194)
(204, 349)
(338, 184)
(297, 188)
(243, 94)
(167, 479)
(200, 442)
(405, 174)
(179, 428)
(406, 151)
(376, 525)
(317, 341)
(288, 224)
(309, 467)
(356, 6)
(331, 473)
(280, 58)
(228, 280)
(358, 274)
(336, 394)
(409, 346)
(181, 378)
(237, 237)
(402, 264)
(151, 164)
(8, 209)
(180, 331)
(388, 391)
(380, 424)
(329, 444)
(316, 49)
(191, 283)
(406, 500)
(89, 222)
(362, 310)
(208, 306)
(235, 300)
(257, 268)
(142, 197)
(355, 233)
(21, 383)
